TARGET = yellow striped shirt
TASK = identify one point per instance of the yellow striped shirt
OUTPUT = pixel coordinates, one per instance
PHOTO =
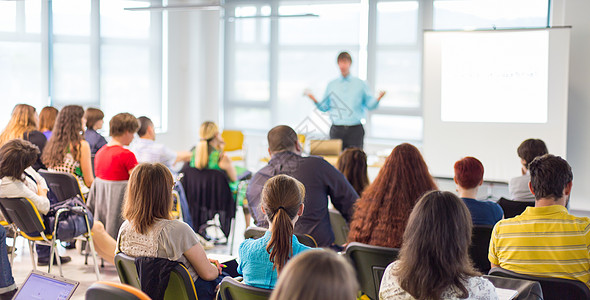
(545, 242)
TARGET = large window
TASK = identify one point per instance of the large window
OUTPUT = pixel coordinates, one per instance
(271, 59)
(90, 52)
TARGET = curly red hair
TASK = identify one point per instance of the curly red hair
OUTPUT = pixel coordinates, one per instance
(383, 210)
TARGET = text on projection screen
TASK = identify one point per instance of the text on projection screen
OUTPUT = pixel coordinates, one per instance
(500, 77)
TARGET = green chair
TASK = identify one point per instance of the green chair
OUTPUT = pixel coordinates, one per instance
(232, 289)
(180, 285)
(254, 232)
(339, 227)
(370, 263)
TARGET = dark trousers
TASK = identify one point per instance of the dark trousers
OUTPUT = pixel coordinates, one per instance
(351, 136)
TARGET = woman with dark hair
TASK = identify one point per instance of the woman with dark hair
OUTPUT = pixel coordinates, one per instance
(263, 259)
(382, 211)
(47, 120)
(67, 151)
(353, 164)
(434, 258)
(23, 125)
(150, 231)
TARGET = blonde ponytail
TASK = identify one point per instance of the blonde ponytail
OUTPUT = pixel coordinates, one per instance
(207, 132)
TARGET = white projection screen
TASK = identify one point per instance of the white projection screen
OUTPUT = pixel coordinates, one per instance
(484, 92)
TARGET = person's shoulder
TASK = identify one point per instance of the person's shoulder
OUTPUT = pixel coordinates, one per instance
(84, 144)
(250, 247)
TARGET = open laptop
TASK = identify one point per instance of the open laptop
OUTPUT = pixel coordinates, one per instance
(44, 286)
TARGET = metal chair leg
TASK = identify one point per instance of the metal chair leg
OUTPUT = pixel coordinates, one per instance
(91, 243)
(13, 245)
(33, 251)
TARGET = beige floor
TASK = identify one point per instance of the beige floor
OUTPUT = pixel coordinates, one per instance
(76, 270)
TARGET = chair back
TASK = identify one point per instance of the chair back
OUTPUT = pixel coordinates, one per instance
(22, 213)
(553, 288)
(254, 232)
(180, 285)
(63, 185)
(234, 140)
(527, 289)
(126, 269)
(339, 227)
(114, 291)
(513, 208)
(480, 246)
(231, 289)
(370, 263)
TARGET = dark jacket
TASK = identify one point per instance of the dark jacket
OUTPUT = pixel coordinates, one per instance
(320, 179)
(154, 274)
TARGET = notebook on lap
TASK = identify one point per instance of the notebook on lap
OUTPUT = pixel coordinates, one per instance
(43, 286)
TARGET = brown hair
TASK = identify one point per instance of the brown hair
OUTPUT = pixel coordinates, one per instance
(282, 138)
(434, 256)
(353, 164)
(15, 156)
(21, 122)
(344, 56)
(47, 117)
(93, 115)
(531, 148)
(468, 172)
(281, 199)
(382, 212)
(148, 196)
(122, 123)
(317, 274)
(67, 135)
(550, 175)
(144, 123)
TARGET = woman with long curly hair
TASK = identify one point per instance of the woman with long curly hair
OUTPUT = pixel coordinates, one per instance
(353, 164)
(382, 212)
(434, 258)
(23, 124)
(67, 151)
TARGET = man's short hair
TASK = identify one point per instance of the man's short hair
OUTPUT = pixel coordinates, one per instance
(144, 124)
(122, 123)
(282, 138)
(531, 148)
(550, 174)
(468, 172)
(93, 115)
(344, 56)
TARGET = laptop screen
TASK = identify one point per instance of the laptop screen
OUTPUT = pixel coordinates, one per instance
(41, 287)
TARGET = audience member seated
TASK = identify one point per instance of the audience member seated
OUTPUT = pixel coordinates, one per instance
(114, 162)
(149, 231)
(434, 258)
(147, 150)
(469, 177)
(19, 179)
(23, 125)
(261, 260)
(22, 181)
(353, 164)
(518, 187)
(209, 153)
(545, 240)
(94, 121)
(317, 275)
(47, 120)
(381, 214)
(7, 286)
(320, 178)
(67, 151)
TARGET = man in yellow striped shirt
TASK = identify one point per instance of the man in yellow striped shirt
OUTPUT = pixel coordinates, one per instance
(545, 240)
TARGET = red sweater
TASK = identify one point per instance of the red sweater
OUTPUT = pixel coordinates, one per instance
(114, 163)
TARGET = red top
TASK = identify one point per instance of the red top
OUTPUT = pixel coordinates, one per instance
(114, 163)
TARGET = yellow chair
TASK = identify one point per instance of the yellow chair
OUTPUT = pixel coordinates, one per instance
(301, 138)
(176, 208)
(234, 142)
(112, 290)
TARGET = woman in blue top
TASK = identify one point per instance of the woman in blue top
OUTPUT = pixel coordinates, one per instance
(263, 259)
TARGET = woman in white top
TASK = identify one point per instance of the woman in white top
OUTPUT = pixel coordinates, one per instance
(149, 230)
(434, 261)
(21, 180)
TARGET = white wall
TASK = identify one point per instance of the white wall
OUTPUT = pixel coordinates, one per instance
(193, 69)
(575, 13)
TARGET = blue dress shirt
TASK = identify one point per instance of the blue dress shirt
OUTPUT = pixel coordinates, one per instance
(255, 263)
(347, 99)
(484, 212)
